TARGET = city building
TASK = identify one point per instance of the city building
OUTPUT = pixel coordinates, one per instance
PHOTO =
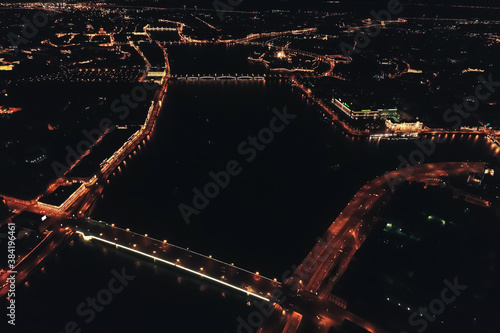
(365, 113)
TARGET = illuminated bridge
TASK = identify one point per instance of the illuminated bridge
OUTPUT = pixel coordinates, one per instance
(161, 28)
(228, 275)
(221, 77)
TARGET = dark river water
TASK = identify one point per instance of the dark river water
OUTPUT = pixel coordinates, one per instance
(267, 219)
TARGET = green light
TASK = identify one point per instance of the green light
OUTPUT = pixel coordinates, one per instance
(346, 105)
(434, 218)
(488, 124)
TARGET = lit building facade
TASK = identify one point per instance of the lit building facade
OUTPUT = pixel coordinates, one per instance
(366, 114)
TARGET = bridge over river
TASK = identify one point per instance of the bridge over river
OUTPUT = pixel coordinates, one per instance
(226, 274)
